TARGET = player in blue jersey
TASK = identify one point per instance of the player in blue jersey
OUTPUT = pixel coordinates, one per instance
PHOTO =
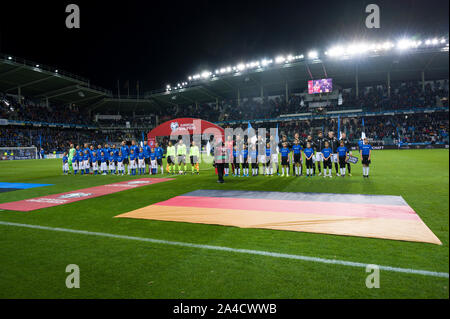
(125, 150)
(112, 162)
(120, 166)
(75, 166)
(297, 151)
(65, 160)
(309, 153)
(244, 154)
(103, 163)
(141, 161)
(147, 150)
(159, 157)
(342, 153)
(327, 166)
(285, 160)
(134, 147)
(267, 164)
(86, 161)
(133, 162)
(366, 155)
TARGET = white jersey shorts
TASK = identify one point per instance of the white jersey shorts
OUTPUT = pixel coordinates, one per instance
(141, 163)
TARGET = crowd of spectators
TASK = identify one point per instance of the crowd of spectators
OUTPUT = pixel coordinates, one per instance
(382, 129)
(28, 110)
(428, 127)
(370, 98)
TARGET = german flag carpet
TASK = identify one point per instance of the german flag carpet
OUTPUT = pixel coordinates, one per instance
(377, 216)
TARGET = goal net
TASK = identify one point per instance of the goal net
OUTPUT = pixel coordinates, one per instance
(18, 153)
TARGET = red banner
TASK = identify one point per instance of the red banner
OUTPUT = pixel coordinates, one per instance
(186, 126)
(75, 196)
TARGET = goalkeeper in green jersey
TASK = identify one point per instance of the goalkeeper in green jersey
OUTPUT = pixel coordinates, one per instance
(170, 158)
(72, 153)
(194, 154)
(181, 157)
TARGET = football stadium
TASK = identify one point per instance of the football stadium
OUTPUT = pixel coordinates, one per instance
(320, 173)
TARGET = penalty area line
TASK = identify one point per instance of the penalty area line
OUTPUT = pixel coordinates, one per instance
(234, 250)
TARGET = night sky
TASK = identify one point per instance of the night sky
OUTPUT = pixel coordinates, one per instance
(163, 42)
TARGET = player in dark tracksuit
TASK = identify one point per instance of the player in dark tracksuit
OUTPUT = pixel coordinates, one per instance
(348, 145)
(320, 145)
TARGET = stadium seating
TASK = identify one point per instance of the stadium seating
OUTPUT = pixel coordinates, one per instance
(413, 128)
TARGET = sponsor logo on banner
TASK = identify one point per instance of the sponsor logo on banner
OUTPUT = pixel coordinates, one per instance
(129, 184)
(174, 126)
(75, 195)
(48, 200)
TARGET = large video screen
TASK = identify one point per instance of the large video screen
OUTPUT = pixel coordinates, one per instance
(320, 86)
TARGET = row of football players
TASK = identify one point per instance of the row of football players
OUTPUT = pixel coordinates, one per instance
(113, 164)
(297, 155)
(134, 159)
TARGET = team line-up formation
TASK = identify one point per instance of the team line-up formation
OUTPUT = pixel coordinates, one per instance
(145, 159)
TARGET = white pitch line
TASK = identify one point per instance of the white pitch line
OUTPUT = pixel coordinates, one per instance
(235, 250)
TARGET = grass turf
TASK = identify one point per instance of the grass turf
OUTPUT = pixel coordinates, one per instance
(33, 262)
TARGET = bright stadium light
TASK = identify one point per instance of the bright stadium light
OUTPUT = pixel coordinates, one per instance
(10, 58)
(240, 67)
(206, 74)
(336, 51)
(279, 59)
(37, 65)
(313, 55)
(405, 44)
(434, 41)
(56, 71)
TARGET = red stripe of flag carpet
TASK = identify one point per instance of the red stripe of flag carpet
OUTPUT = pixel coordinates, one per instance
(378, 216)
(27, 205)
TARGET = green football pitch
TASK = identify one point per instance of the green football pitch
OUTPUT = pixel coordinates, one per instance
(33, 260)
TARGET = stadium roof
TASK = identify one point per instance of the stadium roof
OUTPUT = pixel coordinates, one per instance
(38, 81)
(273, 80)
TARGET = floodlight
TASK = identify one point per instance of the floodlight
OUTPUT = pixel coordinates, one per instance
(313, 55)
(279, 59)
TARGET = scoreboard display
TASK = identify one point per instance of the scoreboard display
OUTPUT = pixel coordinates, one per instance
(320, 86)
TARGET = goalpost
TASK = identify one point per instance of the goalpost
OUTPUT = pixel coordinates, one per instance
(18, 153)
